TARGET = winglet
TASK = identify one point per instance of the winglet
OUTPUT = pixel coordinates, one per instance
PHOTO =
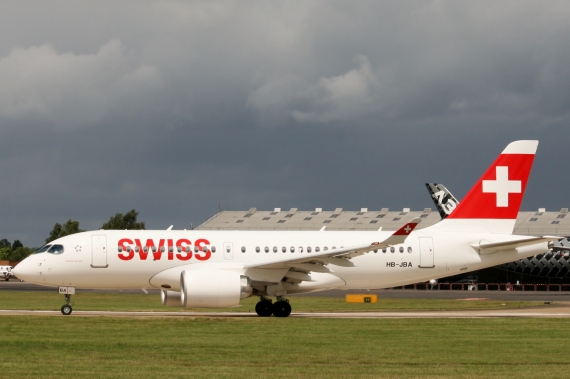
(408, 228)
(401, 234)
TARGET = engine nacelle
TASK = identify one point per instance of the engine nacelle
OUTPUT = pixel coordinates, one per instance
(170, 298)
(213, 288)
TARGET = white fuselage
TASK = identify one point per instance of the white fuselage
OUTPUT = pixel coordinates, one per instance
(93, 260)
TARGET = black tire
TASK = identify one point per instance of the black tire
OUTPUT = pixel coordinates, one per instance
(66, 309)
(281, 309)
(264, 308)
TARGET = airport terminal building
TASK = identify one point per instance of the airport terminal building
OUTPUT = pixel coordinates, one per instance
(550, 267)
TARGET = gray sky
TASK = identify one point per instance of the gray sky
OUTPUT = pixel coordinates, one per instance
(174, 108)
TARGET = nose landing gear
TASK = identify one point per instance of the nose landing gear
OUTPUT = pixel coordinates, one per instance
(66, 308)
(67, 292)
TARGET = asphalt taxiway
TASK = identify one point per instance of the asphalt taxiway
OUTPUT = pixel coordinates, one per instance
(557, 304)
(546, 296)
(553, 311)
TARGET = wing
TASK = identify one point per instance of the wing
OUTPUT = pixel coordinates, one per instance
(337, 257)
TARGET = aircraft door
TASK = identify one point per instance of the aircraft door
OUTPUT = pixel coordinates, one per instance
(228, 251)
(426, 252)
(99, 251)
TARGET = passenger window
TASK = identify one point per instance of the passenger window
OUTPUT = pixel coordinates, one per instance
(401, 249)
(257, 249)
(228, 249)
(284, 249)
(137, 249)
(274, 249)
(162, 249)
(243, 249)
(308, 249)
(213, 249)
(266, 249)
(409, 249)
(392, 249)
(325, 248)
(292, 249)
(384, 250)
(300, 249)
(317, 249)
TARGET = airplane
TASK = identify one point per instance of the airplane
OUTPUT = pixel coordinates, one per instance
(544, 264)
(444, 200)
(216, 269)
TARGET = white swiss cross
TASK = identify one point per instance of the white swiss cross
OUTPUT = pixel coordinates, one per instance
(407, 229)
(502, 186)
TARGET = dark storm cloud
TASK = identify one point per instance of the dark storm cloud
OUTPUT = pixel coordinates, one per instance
(175, 108)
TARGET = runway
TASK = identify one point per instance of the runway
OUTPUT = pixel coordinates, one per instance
(552, 311)
(557, 304)
(546, 296)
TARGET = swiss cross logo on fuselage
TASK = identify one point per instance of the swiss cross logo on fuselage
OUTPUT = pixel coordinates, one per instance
(180, 250)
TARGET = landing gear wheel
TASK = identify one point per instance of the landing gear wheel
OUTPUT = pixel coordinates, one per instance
(281, 308)
(66, 309)
(264, 308)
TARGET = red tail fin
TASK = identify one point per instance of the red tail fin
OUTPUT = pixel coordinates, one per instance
(499, 192)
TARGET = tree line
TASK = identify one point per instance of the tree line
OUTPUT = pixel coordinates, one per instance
(16, 251)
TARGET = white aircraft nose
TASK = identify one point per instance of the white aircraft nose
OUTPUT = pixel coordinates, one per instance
(24, 270)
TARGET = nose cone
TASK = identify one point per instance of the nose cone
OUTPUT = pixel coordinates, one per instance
(25, 270)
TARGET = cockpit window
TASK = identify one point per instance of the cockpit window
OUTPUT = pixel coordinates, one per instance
(43, 249)
(56, 249)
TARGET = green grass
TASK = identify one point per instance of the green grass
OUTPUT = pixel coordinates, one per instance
(140, 302)
(106, 347)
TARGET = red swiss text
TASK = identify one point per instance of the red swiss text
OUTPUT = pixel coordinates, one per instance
(181, 250)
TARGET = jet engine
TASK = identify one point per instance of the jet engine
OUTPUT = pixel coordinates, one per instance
(170, 298)
(213, 288)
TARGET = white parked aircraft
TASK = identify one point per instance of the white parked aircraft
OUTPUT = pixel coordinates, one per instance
(217, 269)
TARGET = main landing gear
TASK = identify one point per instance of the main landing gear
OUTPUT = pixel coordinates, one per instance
(265, 308)
(66, 308)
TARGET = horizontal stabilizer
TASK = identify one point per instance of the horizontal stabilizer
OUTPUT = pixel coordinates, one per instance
(513, 244)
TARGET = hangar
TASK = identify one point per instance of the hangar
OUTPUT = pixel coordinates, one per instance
(550, 267)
